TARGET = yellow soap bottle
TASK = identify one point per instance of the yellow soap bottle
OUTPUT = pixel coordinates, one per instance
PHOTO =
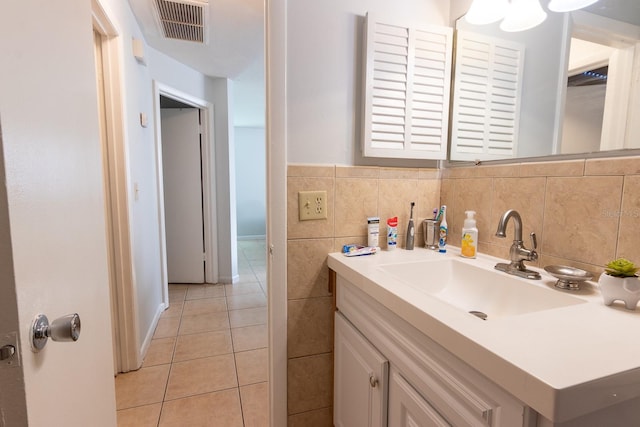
(469, 245)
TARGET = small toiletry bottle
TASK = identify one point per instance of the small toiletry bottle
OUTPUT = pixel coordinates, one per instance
(469, 244)
(442, 242)
(392, 233)
(411, 230)
(373, 227)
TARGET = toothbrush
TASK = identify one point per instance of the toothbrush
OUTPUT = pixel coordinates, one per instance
(411, 230)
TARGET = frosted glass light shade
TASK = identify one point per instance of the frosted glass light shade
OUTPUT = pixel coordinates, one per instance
(569, 5)
(523, 15)
(484, 12)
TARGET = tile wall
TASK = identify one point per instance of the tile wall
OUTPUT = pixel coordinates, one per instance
(353, 194)
(584, 212)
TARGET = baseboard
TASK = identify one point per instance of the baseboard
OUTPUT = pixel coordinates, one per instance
(146, 342)
(229, 279)
(253, 237)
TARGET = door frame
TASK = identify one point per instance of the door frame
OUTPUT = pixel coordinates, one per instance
(208, 182)
(124, 316)
(276, 135)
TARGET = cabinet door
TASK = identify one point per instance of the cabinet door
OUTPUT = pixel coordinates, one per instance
(360, 379)
(407, 84)
(407, 408)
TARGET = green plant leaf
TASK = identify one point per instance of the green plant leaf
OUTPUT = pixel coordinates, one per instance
(621, 267)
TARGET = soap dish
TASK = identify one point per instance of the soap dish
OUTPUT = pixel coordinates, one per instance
(568, 277)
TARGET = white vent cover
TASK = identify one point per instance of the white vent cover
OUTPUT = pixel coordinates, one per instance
(182, 20)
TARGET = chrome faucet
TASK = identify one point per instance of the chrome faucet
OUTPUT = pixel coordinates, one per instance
(518, 253)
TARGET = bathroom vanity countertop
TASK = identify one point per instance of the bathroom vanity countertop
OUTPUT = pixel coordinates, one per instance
(563, 362)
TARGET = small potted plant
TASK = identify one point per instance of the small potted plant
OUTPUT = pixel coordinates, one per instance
(620, 282)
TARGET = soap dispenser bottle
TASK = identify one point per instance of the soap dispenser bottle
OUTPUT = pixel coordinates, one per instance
(469, 244)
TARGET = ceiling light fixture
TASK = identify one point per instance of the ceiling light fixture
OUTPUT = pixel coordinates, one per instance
(518, 15)
(569, 5)
(484, 12)
(522, 15)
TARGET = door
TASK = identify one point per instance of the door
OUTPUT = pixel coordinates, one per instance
(182, 178)
(55, 204)
(360, 380)
(407, 408)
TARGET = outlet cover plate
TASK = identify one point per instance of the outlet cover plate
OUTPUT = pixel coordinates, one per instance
(312, 205)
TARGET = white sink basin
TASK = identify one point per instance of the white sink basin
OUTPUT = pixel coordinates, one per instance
(471, 288)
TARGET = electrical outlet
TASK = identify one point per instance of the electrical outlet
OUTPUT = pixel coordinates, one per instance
(312, 205)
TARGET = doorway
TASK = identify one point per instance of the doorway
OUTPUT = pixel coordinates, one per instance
(197, 219)
(183, 191)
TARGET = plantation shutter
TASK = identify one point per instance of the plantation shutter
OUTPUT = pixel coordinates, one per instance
(407, 74)
(486, 97)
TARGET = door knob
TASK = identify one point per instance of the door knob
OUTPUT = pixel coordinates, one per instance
(65, 328)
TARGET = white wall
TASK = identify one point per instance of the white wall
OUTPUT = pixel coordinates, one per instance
(582, 125)
(324, 67)
(250, 181)
(219, 92)
(48, 106)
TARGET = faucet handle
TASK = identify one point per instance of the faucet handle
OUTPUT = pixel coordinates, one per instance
(534, 241)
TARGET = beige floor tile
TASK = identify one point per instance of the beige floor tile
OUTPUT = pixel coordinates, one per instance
(174, 310)
(247, 277)
(200, 359)
(201, 376)
(249, 337)
(248, 317)
(243, 288)
(160, 352)
(239, 302)
(177, 295)
(204, 291)
(195, 346)
(204, 323)
(167, 327)
(204, 306)
(252, 366)
(255, 405)
(316, 418)
(141, 387)
(219, 409)
(141, 416)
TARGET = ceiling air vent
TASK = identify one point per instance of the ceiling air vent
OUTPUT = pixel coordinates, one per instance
(182, 20)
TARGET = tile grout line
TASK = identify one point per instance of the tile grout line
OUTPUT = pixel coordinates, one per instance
(261, 291)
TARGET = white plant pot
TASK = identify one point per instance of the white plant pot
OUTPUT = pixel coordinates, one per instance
(625, 289)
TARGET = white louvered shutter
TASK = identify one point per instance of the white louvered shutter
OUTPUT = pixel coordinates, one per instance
(486, 97)
(407, 75)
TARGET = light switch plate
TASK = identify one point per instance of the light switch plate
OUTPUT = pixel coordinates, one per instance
(312, 205)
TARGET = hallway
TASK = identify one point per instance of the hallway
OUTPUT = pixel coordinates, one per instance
(207, 364)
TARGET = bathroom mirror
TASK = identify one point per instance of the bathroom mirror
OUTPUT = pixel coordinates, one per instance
(577, 91)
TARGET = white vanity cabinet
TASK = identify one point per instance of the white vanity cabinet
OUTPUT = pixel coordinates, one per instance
(407, 408)
(361, 376)
(388, 373)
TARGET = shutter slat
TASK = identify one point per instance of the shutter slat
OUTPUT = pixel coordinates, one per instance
(406, 95)
(486, 97)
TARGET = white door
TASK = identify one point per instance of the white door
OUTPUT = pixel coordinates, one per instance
(55, 203)
(360, 380)
(182, 178)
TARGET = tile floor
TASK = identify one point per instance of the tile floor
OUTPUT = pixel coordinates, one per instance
(207, 364)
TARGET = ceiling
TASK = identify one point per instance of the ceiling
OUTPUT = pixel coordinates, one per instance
(234, 31)
(621, 10)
